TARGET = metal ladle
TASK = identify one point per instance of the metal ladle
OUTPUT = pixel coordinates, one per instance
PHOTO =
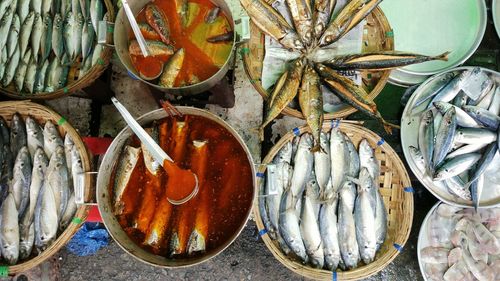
(158, 154)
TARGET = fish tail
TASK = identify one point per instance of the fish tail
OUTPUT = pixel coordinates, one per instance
(443, 56)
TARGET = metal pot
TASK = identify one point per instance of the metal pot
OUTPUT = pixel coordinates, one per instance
(121, 41)
(104, 203)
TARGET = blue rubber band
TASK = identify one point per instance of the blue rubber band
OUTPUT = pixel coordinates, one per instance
(398, 247)
(259, 175)
(380, 142)
(262, 232)
(335, 123)
(296, 131)
(409, 189)
(334, 275)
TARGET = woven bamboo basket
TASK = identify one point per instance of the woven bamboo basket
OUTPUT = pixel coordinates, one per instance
(43, 114)
(75, 82)
(377, 36)
(393, 180)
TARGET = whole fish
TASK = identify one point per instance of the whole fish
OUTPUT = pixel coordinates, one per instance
(23, 8)
(76, 36)
(322, 163)
(156, 19)
(272, 23)
(339, 159)
(456, 186)
(476, 189)
(65, 7)
(87, 39)
(456, 166)
(13, 37)
(155, 48)
(262, 200)
(96, 55)
(40, 78)
(301, 13)
(18, 137)
(51, 138)
(304, 161)
(418, 158)
(439, 83)
(311, 104)
(485, 117)
(9, 238)
(182, 9)
(309, 229)
(172, 69)
(96, 12)
(57, 74)
(284, 154)
(3, 62)
(76, 169)
(348, 244)
(212, 15)
(40, 164)
(322, 13)
(36, 35)
(380, 60)
(11, 68)
(30, 78)
(484, 162)
(224, 37)
(364, 215)
(474, 136)
(495, 102)
(46, 219)
(426, 139)
(57, 179)
(444, 137)
(4, 5)
(463, 119)
(354, 161)
(21, 71)
(289, 225)
(450, 91)
(22, 179)
(278, 180)
(26, 241)
(69, 28)
(69, 213)
(126, 165)
(282, 96)
(329, 233)
(368, 160)
(57, 36)
(34, 135)
(380, 219)
(7, 157)
(25, 34)
(69, 145)
(46, 40)
(468, 148)
(46, 6)
(353, 94)
(460, 100)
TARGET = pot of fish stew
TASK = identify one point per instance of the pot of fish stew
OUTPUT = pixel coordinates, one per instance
(132, 194)
(190, 43)
(344, 212)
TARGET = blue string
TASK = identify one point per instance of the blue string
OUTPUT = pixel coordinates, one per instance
(398, 247)
(296, 131)
(262, 231)
(409, 189)
(260, 175)
(334, 275)
(335, 123)
(380, 142)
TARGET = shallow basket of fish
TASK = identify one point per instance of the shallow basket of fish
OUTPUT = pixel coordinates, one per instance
(375, 175)
(450, 136)
(36, 62)
(377, 36)
(457, 243)
(46, 244)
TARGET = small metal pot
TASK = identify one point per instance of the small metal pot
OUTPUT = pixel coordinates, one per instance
(104, 203)
(121, 41)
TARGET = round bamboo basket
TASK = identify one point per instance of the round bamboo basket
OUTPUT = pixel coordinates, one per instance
(377, 36)
(43, 114)
(75, 82)
(393, 183)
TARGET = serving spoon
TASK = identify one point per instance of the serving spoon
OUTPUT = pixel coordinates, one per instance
(135, 28)
(180, 181)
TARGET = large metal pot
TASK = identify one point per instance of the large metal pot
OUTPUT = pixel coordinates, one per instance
(104, 203)
(121, 41)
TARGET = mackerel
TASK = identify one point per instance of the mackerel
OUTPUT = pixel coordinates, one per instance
(310, 232)
(474, 136)
(9, 238)
(127, 163)
(456, 166)
(36, 35)
(329, 233)
(46, 41)
(339, 159)
(348, 245)
(35, 135)
(30, 78)
(22, 179)
(450, 91)
(51, 138)
(364, 215)
(289, 225)
(5, 26)
(426, 139)
(485, 117)
(40, 77)
(463, 119)
(57, 36)
(304, 161)
(13, 37)
(322, 163)
(25, 34)
(444, 137)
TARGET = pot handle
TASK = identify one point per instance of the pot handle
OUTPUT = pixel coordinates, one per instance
(105, 30)
(80, 189)
(243, 31)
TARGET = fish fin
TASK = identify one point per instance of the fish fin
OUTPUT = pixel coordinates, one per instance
(317, 148)
(443, 56)
(354, 180)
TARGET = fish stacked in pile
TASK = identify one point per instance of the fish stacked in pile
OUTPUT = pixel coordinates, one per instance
(325, 207)
(314, 30)
(459, 131)
(41, 40)
(463, 244)
(38, 174)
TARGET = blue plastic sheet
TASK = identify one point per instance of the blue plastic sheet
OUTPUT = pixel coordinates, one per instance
(89, 239)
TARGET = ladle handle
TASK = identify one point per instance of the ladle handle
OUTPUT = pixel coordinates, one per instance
(135, 28)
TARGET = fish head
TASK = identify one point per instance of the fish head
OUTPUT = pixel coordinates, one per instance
(32, 127)
(10, 253)
(292, 41)
(350, 259)
(365, 179)
(365, 148)
(439, 105)
(58, 21)
(306, 141)
(368, 254)
(285, 153)
(22, 159)
(450, 116)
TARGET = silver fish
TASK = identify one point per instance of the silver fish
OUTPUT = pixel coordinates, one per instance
(40, 164)
(9, 230)
(26, 241)
(22, 179)
(46, 40)
(69, 213)
(46, 219)
(444, 137)
(11, 67)
(495, 102)
(468, 148)
(57, 36)
(51, 138)
(35, 135)
(463, 119)
(329, 233)
(380, 219)
(30, 78)
(369, 161)
(87, 65)
(85, 7)
(13, 37)
(485, 101)
(5, 25)
(309, 229)
(483, 116)
(349, 249)
(456, 166)
(68, 28)
(25, 34)
(460, 100)
(285, 154)
(69, 145)
(289, 225)
(456, 186)
(3, 62)
(58, 76)
(450, 91)
(87, 39)
(474, 136)
(126, 165)
(77, 35)
(96, 12)
(76, 168)
(65, 7)
(36, 35)
(46, 6)
(40, 78)
(50, 79)
(418, 158)
(339, 158)
(354, 160)
(476, 189)
(275, 186)
(264, 214)
(21, 71)
(304, 161)
(322, 163)
(23, 8)
(268, 199)
(4, 5)
(96, 55)
(364, 214)
(57, 179)
(436, 87)
(484, 162)
(18, 137)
